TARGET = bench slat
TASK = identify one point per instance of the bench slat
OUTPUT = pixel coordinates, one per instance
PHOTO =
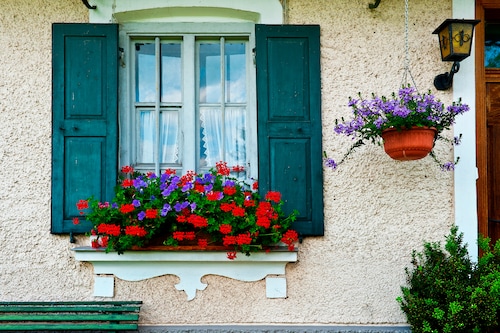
(24, 309)
(70, 317)
(55, 303)
(69, 327)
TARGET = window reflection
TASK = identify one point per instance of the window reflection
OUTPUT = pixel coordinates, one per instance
(492, 46)
(235, 73)
(171, 73)
(210, 80)
(145, 73)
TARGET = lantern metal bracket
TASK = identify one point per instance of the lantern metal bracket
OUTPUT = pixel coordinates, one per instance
(374, 5)
(86, 3)
(445, 81)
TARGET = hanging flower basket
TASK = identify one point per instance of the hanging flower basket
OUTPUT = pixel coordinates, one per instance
(409, 144)
(394, 115)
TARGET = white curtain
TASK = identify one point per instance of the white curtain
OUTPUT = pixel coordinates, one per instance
(145, 149)
(234, 152)
(169, 130)
(235, 136)
(169, 127)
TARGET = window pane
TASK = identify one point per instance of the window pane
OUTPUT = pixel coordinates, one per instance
(210, 80)
(145, 72)
(492, 46)
(213, 147)
(147, 137)
(235, 125)
(171, 73)
(235, 72)
(169, 130)
(211, 136)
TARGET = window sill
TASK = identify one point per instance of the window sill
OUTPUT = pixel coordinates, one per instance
(189, 266)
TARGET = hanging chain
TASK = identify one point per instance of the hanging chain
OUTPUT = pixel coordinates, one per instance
(407, 53)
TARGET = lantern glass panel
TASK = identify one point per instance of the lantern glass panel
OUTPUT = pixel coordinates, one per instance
(461, 40)
(444, 43)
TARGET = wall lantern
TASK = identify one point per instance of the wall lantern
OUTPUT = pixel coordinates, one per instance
(455, 40)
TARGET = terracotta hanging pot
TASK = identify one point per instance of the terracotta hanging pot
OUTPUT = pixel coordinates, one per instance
(410, 144)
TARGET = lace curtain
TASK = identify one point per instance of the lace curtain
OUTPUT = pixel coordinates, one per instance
(232, 149)
(169, 145)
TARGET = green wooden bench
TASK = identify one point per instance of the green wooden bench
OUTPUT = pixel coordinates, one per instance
(69, 316)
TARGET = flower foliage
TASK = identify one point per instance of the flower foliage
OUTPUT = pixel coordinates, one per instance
(408, 108)
(214, 208)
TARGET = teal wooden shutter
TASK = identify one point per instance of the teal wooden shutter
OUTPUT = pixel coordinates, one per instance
(84, 119)
(289, 120)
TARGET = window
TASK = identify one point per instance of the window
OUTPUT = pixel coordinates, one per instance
(188, 101)
(186, 96)
(492, 39)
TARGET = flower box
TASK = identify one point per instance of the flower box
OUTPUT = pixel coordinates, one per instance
(214, 208)
(189, 265)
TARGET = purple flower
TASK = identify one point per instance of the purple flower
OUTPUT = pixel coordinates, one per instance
(136, 203)
(141, 216)
(187, 187)
(180, 206)
(379, 122)
(330, 163)
(166, 208)
(169, 190)
(448, 166)
(139, 183)
(229, 183)
(164, 177)
(352, 102)
(401, 111)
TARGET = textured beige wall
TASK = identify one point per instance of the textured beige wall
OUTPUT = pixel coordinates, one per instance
(377, 210)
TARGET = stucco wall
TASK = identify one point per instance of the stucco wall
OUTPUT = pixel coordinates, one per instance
(376, 210)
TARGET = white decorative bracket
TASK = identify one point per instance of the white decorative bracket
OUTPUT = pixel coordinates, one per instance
(189, 266)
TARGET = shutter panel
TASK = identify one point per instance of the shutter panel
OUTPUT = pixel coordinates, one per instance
(84, 119)
(289, 120)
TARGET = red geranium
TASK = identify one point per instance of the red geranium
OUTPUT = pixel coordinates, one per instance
(109, 229)
(127, 208)
(229, 190)
(151, 213)
(273, 196)
(82, 204)
(127, 183)
(127, 169)
(134, 230)
(239, 211)
(225, 229)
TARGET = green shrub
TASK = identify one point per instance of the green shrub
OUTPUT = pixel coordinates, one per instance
(447, 292)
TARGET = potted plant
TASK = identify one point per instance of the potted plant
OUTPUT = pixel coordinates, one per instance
(447, 292)
(202, 210)
(390, 121)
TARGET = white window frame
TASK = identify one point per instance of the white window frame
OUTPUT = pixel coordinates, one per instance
(190, 31)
